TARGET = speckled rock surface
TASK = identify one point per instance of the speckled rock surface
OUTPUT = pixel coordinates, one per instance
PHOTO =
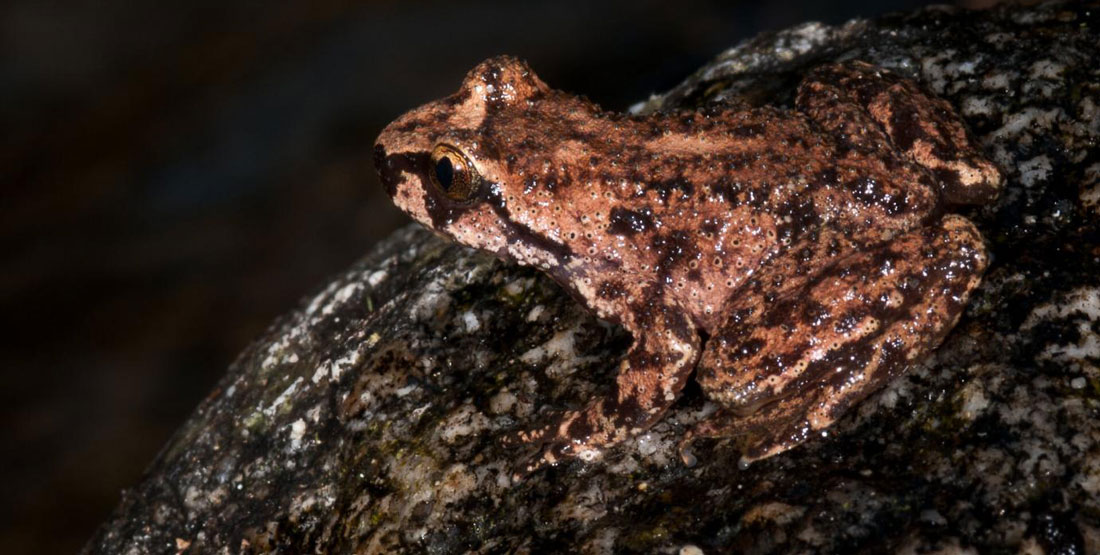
(368, 419)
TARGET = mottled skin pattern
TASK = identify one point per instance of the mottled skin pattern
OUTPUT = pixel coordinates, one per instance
(797, 259)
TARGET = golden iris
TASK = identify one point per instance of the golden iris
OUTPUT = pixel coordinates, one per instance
(452, 173)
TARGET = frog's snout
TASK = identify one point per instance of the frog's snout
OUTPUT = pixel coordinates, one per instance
(389, 175)
(385, 174)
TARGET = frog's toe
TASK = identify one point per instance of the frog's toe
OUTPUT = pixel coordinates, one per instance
(525, 438)
(772, 442)
(764, 433)
(549, 452)
(527, 466)
(538, 448)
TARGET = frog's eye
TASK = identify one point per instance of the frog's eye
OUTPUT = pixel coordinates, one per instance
(452, 173)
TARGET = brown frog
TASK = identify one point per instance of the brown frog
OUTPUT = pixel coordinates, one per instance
(796, 260)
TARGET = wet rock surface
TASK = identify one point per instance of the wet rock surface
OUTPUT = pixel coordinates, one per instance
(369, 419)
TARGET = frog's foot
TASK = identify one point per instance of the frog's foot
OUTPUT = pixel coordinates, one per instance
(576, 434)
(769, 431)
(844, 97)
(787, 366)
(650, 377)
(756, 435)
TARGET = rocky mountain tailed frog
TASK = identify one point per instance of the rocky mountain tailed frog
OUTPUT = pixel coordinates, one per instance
(795, 260)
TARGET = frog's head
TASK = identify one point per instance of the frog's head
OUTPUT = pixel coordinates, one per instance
(473, 166)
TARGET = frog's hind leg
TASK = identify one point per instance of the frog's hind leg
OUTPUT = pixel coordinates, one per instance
(788, 363)
(650, 377)
(845, 98)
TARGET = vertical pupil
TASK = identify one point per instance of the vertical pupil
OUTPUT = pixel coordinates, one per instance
(444, 173)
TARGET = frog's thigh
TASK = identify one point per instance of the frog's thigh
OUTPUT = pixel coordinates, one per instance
(649, 379)
(923, 126)
(787, 368)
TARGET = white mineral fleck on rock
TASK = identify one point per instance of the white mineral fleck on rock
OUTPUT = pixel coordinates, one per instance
(275, 352)
(648, 444)
(297, 431)
(1035, 170)
(1033, 120)
(535, 313)
(323, 371)
(517, 287)
(315, 303)
(1046, 69)
(376, 277)
(1082, 304)
(286, 394)
(433, 298)
(561, 349)
(470, 321)
(977, 106)
(502, 402)
(341, 297)
(457, 484)
(333, 369)
(463, 421)
(974, 401)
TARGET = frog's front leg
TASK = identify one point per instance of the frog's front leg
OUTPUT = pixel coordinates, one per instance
(788, 363)
(649, 379)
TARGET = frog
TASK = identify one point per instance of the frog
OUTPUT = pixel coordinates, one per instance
(794, 259)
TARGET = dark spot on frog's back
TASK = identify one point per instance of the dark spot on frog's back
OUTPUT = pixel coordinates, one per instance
(629, 222)
(812, 312)
(798, 216)
(666, 188)
(747, 348)
(672, 248)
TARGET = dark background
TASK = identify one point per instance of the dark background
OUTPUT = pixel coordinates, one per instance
(174, 175)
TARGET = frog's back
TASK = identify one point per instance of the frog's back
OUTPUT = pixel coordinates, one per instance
(692, 200)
